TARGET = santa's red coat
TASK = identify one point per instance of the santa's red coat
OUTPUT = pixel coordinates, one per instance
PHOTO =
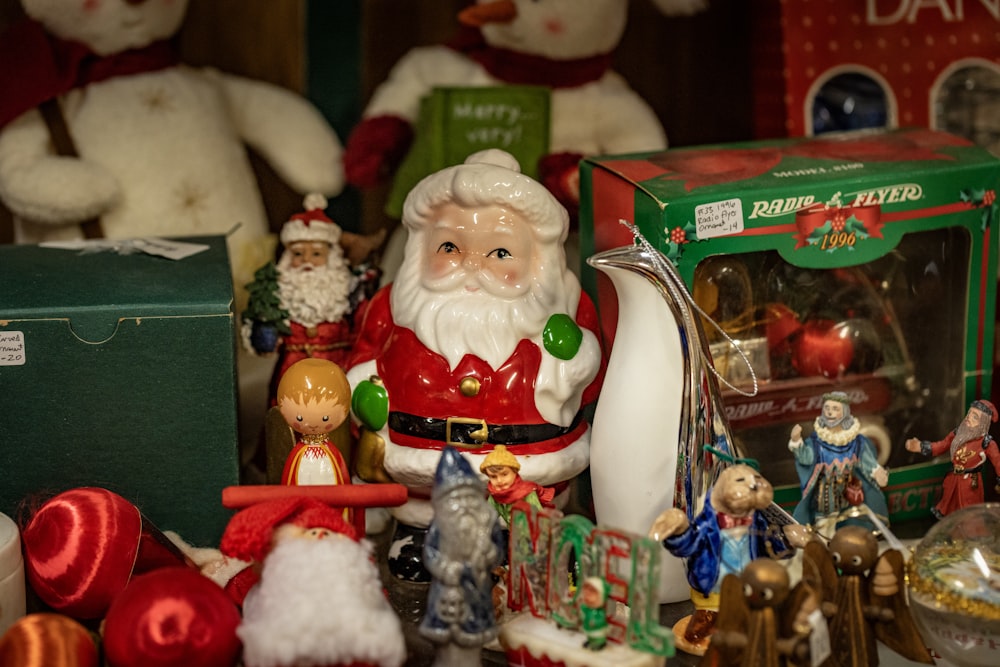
(420, 381)
(963, 485)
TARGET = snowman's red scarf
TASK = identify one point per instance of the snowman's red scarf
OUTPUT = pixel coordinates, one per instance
(513, 67)
(38, 66)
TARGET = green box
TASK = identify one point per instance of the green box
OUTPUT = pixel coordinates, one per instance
(880, 239)
(118, 371)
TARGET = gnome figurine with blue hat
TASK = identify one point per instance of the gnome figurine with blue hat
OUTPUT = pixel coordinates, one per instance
(462, 548)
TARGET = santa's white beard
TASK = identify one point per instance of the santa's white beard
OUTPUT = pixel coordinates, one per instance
(320, 602)
(964, 433)
(454, 322)
(315, 294)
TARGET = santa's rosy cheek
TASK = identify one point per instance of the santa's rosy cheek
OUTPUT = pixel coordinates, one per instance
(440, 264)
(91, 5)
(554, 26)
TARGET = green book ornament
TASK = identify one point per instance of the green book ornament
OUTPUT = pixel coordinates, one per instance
(456, 122)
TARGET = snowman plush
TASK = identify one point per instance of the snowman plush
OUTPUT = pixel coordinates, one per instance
(156, 148)
(565, 45)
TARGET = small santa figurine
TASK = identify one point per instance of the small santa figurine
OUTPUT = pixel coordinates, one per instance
(319, 600)
(463, 547)
(969, 445)
(485, 338)
(302, 307)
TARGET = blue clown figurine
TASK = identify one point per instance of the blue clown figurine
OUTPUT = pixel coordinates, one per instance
(462, 548)
(837, 467)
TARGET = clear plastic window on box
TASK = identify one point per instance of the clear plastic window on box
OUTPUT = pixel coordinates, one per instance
(891, 333)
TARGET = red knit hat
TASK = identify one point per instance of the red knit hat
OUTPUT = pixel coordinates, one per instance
(312, 224)
(248, 534)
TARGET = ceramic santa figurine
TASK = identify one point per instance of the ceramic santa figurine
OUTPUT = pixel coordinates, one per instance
(969, 445)
(485, 338)
(301, 308)
(319, 600)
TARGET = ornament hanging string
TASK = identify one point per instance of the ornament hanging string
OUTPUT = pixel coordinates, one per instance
(680, 295)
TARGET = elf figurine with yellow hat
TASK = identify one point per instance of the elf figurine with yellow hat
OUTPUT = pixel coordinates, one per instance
(506, 486)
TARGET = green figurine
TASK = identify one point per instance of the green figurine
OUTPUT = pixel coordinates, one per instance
(593, 612)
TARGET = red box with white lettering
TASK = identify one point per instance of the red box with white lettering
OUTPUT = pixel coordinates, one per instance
(823, 65)
(862, 262)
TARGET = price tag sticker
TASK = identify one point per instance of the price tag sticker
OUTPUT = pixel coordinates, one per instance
(819, 639)
(720, 218)
(12, 348)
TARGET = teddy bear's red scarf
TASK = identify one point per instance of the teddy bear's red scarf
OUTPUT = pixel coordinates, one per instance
(38, 66)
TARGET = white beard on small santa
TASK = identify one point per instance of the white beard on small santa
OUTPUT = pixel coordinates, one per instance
(314, 294)
(965, 432)
(320, 602)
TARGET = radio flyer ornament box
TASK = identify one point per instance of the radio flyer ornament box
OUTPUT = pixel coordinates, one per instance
(861, 262)
(117, 369)
(844, 64)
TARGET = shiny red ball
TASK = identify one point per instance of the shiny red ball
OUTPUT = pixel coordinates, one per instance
(781, 324)
(172, 616)
(824, 348)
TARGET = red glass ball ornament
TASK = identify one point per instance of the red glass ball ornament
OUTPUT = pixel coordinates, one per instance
(823, 347)
(79, 549)
(172, 616)
(781, 324)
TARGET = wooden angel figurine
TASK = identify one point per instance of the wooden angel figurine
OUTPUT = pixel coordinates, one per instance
(314, 398)
(867, 601)
(763, 621)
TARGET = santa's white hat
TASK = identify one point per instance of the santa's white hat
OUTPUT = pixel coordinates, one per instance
(490, 177)
(312, 224)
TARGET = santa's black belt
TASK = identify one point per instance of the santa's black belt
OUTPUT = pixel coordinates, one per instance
(966, 471)
(473, 432)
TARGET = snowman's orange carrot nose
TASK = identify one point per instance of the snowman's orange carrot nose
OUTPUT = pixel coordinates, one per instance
(498, 11)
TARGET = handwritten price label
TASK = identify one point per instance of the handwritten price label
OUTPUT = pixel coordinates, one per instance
(12, 348)
(720, 218)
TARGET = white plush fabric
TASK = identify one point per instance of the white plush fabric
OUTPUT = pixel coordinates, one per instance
(603, 117)
(164, 152)
(320, 602)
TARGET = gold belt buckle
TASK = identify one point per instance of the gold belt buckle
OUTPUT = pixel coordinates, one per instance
(479, 436)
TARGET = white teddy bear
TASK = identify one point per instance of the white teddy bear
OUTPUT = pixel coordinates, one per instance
(160, 146)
